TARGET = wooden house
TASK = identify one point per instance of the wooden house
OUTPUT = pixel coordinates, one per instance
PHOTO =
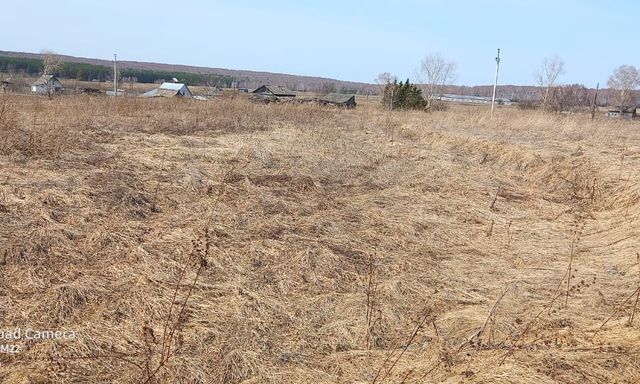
(46, 85)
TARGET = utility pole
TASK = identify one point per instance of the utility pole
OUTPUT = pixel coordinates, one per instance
(495, 85)
(115, 75)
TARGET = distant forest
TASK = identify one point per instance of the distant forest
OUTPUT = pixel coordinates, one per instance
(90, 72)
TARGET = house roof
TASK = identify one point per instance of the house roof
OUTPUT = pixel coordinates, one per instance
(166, 90)
(276, 90)
(45, 79)
(159, 92)
(337, 98)
(172, 86)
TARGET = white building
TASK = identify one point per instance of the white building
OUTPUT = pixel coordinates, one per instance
(47, 84)
(170, 90)
(472, 99)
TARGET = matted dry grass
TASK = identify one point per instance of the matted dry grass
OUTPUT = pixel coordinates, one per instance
(227, 242)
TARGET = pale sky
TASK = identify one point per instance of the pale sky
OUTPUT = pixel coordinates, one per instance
(347, 40)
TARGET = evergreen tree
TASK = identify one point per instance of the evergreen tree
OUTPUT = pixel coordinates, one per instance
(403, 96)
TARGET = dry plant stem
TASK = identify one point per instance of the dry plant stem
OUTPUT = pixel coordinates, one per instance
(622, 154)
(167, 340)
(173, 300)
(573, 246)
(166, 353)
(404, 379)
(384, 363)
(495, 198)
(431, 370)
(154, 207)
(556, 295)
(491, 228)
(618, 309)
(371, 297)
(408, 344)
(478, 334)
(635, 305)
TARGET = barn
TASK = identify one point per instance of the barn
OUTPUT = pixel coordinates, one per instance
(339, 99)
(170, 90)
(47, 84)
(274, 91)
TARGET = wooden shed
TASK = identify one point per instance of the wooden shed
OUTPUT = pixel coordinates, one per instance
(274, 90)
(339, 99)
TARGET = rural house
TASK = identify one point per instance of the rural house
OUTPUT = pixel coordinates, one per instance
(47, 84)
(624, 113)
(339, 99)
(274, 91)
(170, 90)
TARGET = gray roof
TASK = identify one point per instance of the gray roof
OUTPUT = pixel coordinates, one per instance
(168, 90)
(275, 90)
(337, 98)
(159, 92)
(172, 86)
(45, 79)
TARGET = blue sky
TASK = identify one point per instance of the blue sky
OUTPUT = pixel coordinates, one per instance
(348, 40)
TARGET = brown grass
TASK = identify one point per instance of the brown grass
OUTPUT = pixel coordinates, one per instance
(229, 242)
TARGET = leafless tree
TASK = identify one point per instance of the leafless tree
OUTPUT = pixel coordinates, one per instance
(51, 62)
(547, 76)
(382, 80)
(434, 73)
(624, 81)
(569, 98)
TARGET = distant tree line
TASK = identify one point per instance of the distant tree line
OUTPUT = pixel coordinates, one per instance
(435, 75)
(89, 72)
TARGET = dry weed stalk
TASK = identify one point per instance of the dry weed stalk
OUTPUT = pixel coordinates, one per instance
(495, 198)
(618, 308)
(372, 299)
(514, 344)
(154, 204)
(423, 319)
(576, 238)
(200, 255)
(476, 337)
(171, 327)
(635, 305)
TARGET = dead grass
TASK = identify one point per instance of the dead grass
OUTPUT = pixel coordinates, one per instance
(289, 243)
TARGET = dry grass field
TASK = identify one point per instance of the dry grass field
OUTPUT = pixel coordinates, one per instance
(228, 242)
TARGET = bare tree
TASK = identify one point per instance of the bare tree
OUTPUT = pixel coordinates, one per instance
(547, 76)
(434, 73)
(569, 98)
(51, 62)
(382, 80)
(624, 81)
